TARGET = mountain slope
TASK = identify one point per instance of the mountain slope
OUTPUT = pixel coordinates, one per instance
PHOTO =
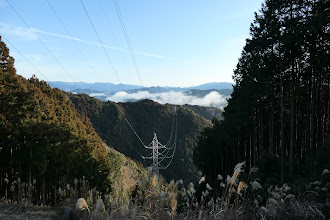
(206, 112)
(41, 121)
(46, 143)
(146, 117)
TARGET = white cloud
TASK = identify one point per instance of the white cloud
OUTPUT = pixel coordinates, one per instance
(23, 33)
(28, 35)
(213, 99)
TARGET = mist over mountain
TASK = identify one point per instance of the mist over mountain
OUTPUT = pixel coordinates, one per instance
(212, 99)
(147, 117)
(207, 95)
(112, 88)
(110, 151)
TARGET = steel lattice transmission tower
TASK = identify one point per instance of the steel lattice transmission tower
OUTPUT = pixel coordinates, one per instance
(155, 154)
(162, 153)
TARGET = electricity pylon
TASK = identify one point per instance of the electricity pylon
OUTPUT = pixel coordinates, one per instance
(155, 154)
(162, 152)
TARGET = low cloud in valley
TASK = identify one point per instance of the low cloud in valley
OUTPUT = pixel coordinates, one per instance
(213, 99)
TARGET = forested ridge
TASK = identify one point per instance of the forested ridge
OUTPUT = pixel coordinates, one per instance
(268, 157)
(45, 143)
(279, 112)
(146, 117)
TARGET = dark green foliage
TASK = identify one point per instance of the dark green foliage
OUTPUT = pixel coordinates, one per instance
(42, 136)
(207, 112)
(146, 117)
(279, 111)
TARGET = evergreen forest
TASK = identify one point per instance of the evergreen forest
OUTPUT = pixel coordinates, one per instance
(266, 155)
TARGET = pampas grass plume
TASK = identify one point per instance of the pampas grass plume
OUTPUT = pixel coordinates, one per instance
(208, 186)
(201, 180)
(325, 171)
(241, 187)
(81, 204)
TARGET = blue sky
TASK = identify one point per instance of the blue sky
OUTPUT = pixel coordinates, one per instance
(175, 42)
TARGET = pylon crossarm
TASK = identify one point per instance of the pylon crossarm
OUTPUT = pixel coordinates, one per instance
(148, 147)
(161, 152)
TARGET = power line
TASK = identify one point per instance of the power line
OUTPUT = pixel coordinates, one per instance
(157, 156)
(50, 83)
(134, 131)
(106, 17)
(127, 39)
(58, 62)
(112, 33)
(106, 55)
(174, 146)
(57, 59)
(24, 57)
(111, 66)
(78, 48)
(63, 66)
(128, 42)
(105, 51)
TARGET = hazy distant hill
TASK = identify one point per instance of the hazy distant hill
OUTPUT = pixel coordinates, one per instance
(107, 87)
(146, 117)
(112, 88)
(199, 95)
(154, 89)
(213, 85)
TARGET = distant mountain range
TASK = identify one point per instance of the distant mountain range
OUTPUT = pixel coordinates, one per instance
(107, 87)
(113, 88)
(173, 95)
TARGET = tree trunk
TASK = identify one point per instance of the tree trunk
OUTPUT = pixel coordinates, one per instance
(313, 135)
(30, 164)
(254, 142)
(308, 126)
(318, 137)
(282, 130)
(250, 150)
(55, 197)
(292, 122)
(238, 156)
(327, 107)
(43, 190)
(19, 183)
(271, 131)
(261, 136)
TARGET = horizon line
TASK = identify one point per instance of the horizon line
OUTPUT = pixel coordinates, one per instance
(136, 84)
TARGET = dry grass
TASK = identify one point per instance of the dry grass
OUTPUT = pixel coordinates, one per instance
(147, 197)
